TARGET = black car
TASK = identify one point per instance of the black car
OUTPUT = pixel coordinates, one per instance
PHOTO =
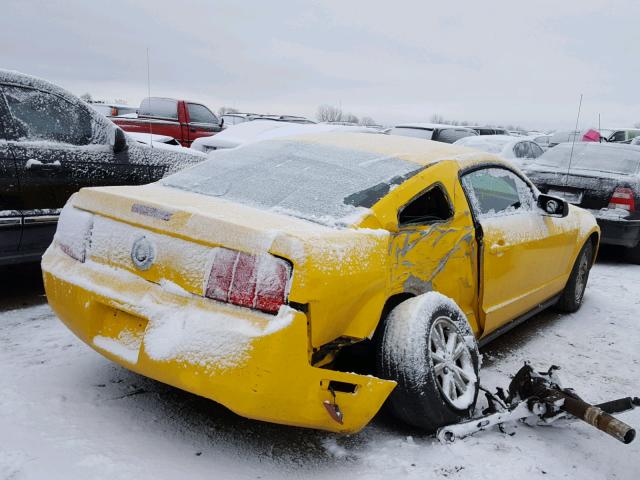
(433, 131)
(601, 177)
(51, 145)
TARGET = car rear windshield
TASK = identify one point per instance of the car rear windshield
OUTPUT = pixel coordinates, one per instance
(592, 157)
(321, 183)
(424, 133)
(450, 135)
(159, 107)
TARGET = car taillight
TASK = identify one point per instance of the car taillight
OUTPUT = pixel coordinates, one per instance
(114, 112)
(253, 281)
(73, 234)
(623, 198)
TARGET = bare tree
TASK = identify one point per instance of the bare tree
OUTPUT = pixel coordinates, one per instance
(329, 113)
(366, 121)
(437, 118)
(350, 117)
(224, 110)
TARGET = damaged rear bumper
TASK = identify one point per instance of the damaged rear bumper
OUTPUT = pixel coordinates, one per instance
(255, 364)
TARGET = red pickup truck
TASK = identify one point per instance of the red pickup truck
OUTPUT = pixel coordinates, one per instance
(183, 120)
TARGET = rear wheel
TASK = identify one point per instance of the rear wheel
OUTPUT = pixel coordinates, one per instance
(429, 349)
(573, 292)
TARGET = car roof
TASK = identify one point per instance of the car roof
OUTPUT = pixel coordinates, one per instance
(422, 152)
(603, 145)
(22, 79)
(431, 126)
(496, 138)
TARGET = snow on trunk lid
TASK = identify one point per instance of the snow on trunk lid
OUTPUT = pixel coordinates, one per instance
(178, 265)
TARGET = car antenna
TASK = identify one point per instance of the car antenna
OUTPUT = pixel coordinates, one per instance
(149, 96)
(575, 134)
(599, 130)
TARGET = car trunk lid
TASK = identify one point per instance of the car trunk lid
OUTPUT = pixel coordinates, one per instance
(585, 188)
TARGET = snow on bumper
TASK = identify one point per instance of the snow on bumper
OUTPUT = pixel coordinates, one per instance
(255, 364)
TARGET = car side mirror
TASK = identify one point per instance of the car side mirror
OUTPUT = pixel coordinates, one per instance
(221, 122)
(120, 141)
(553, 205)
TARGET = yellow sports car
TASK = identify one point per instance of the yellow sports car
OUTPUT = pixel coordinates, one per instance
(264, 277)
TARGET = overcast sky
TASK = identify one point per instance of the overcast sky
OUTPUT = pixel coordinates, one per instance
(494, 62)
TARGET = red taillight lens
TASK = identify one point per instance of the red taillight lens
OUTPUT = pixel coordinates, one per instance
(73, 234)
(243, 286)
(114, 112)
(246, 280)
(623, 197)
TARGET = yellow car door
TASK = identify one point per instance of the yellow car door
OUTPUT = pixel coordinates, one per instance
(525, 255)
(434, 246)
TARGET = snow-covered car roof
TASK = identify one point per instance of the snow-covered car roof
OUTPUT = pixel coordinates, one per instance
(101, 128)
(162, 142)
(498, 144)
(262, 129)
(432, 126)
(236, 134)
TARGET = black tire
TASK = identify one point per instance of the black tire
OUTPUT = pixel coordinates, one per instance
(632, 255)
(571, 298)
(406, 354)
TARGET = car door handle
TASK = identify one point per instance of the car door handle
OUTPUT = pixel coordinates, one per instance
(33, 164)
(499, 247)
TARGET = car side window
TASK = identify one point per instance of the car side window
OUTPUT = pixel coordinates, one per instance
(619, 136)
(536, 150)
(493, 191)
(43, 116)
(520, 150)
(201, 114)
(430, 206)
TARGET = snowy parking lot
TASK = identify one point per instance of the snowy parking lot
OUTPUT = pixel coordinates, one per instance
(66, 412)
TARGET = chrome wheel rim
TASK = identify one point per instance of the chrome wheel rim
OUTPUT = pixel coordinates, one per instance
(451, 360)
(581, 277)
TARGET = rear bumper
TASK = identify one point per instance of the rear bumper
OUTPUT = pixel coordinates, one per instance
(255, 364)
(625, 233)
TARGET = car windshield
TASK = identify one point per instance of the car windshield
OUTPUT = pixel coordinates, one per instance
(321, 183)
(592, 157)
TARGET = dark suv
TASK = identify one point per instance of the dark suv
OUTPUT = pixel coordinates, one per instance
(51, 145)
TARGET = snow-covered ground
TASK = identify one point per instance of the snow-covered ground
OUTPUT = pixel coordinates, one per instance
(67, 413)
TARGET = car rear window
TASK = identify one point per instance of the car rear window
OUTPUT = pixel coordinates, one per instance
(450, 135)
(321, 183)
(423, 133)
(159, 107)
(595, 157)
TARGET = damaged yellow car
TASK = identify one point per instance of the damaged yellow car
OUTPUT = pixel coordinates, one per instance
(264, 277)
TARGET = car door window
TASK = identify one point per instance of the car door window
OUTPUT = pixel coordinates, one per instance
(618, 136)
(43, 116)
(429, 207)
(535, 150)
(520, 150)
(201, 114)
(494, 191)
